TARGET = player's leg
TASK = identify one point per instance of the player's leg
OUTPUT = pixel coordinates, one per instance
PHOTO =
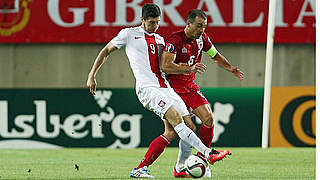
(157, 146)
(184, 132)
(205, 114)
(163, 102)
(185, 150)
(187, 135)
(195, 100)
(150, 100)
(199, 103)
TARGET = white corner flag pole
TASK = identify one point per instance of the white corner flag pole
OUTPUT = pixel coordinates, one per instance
(268, 75)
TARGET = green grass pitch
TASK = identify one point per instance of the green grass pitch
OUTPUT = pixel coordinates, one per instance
(101, 163)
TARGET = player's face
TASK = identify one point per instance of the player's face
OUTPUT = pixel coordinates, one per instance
(151, 24)
(197, 27)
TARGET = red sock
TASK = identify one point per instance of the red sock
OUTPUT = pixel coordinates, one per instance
(155, 149)
(206, 135)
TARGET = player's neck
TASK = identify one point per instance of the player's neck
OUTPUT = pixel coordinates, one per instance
(145, 30)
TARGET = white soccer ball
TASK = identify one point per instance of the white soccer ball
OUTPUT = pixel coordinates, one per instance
(196, 166)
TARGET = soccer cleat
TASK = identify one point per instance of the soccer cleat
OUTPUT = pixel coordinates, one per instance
(215, 155)
(181, 174)
(141, 173)
(207, 174)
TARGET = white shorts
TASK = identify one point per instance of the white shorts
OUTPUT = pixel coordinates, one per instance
(159, 100)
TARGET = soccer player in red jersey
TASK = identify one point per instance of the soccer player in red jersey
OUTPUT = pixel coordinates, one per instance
(181, 60)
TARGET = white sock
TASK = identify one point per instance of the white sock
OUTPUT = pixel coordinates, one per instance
(185, 150)
(187, 135)
(179, 167)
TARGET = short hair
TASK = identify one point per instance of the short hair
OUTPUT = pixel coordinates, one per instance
(150, 10)
(194, 13)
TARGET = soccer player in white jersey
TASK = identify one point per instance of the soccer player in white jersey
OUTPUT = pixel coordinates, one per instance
(144, 48)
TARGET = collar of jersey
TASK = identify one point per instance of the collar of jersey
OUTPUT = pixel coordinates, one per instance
(141, 29)
(186, 37)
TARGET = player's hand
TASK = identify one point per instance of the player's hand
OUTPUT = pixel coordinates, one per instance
(237, 72)
(92, 85)
(198, 67)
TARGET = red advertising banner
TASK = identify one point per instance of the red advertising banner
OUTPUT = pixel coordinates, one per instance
(90, 21)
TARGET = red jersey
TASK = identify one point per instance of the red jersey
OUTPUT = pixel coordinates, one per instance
(187, 51)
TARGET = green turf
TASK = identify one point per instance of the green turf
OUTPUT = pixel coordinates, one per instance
(98, 163)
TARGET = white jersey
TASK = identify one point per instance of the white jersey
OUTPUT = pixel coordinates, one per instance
(144, 52)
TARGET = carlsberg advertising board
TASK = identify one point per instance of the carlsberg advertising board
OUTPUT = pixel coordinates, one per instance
(114, 118)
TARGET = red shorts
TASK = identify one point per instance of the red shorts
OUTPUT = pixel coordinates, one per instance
(193, 99)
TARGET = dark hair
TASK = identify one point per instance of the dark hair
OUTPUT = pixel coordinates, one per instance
(150, 10)
(194, 13)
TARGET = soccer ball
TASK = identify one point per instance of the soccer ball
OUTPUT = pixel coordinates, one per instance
(196, 166)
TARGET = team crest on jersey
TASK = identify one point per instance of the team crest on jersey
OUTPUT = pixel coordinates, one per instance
(170, 47)
(161, 103)
(14, 16)
(184, 50)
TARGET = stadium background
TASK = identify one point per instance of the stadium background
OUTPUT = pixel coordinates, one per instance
(44, 66)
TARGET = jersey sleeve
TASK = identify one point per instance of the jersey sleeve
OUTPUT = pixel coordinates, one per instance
(172, 44)
(161, 46)
(208, 46)
(121, 39)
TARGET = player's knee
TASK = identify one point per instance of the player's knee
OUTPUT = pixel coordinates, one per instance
(177, 117)
(208, 120)
(173, 116)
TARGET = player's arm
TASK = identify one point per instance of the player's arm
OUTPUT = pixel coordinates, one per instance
(100, 59)
(168, 65)
(221, 61)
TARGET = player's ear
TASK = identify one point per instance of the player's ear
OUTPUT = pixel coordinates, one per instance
(188, 24)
